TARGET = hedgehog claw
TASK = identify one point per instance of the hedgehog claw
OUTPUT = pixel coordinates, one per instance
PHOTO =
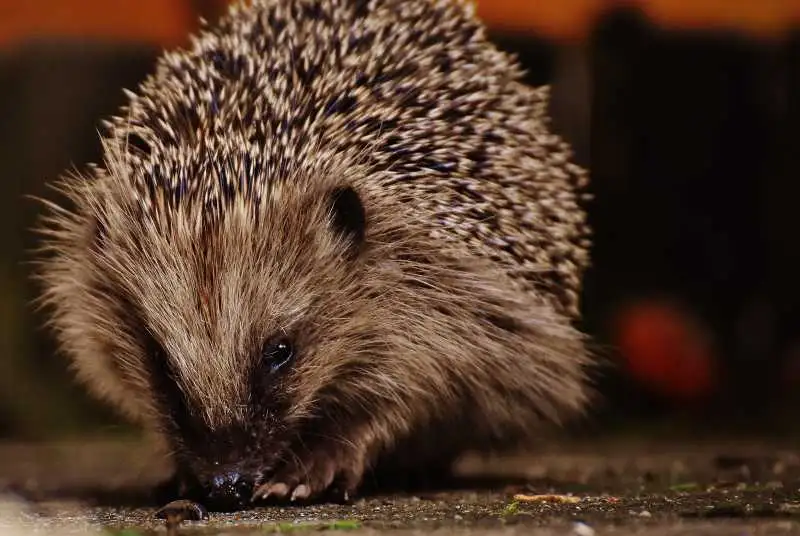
(279, 489)
(301, 492)
(313, 474)
(271, 489)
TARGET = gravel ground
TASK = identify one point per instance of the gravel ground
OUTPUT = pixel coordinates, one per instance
(613, 487)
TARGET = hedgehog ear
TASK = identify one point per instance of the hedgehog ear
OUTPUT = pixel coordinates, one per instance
(348, 215)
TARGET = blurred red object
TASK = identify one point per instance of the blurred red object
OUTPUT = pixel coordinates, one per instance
(665, 351)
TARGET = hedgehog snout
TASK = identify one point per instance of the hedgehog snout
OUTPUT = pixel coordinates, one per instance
(226, 465)
(228, 490)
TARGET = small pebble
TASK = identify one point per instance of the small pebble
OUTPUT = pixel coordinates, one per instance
(582, 529)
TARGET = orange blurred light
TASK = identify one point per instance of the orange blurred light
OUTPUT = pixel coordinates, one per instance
(159, 22)
(167, 23)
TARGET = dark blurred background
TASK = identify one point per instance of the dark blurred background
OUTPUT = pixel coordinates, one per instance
(686, 114)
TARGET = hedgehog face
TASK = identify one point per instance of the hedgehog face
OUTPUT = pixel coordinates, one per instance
(227, 337)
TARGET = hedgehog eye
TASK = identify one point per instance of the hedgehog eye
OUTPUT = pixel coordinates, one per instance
(276, 354)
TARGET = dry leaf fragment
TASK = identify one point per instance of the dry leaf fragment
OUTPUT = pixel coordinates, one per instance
(547, 498)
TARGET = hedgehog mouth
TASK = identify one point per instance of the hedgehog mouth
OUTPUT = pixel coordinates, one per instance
(225, 492)
(218, 487)
(230, 491)
(223, 473)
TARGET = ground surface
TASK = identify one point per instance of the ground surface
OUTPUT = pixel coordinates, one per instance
(620, 488)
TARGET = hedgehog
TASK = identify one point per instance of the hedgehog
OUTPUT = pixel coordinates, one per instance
(326, 237)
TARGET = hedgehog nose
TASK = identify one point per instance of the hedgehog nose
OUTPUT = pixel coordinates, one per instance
(229, 491)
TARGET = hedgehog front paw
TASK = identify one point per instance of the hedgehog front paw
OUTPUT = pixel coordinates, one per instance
(308, 477)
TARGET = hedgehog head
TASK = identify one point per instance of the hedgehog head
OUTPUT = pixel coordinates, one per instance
(225, 330)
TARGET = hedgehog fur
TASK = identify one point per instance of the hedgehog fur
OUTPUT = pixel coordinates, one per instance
(326, 233)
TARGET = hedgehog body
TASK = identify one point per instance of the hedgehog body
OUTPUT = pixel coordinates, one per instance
(326, 232)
